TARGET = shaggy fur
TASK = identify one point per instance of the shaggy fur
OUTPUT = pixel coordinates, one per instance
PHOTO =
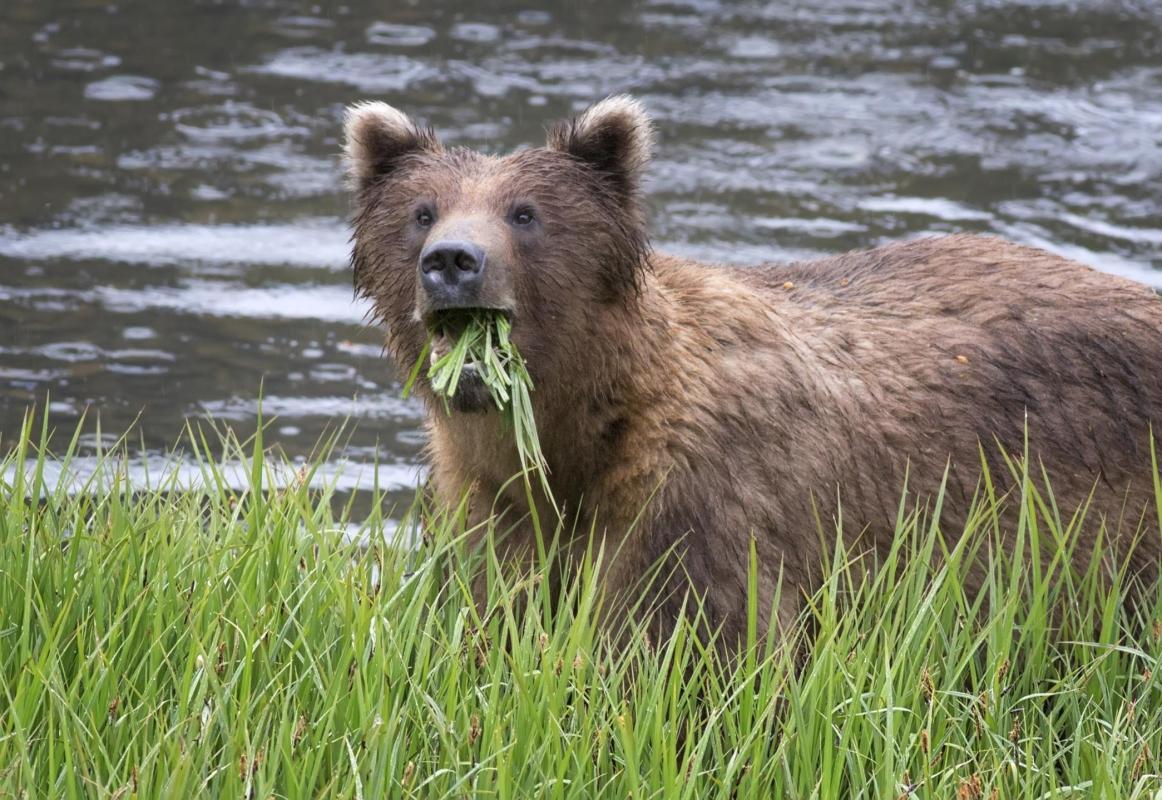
(733, 403)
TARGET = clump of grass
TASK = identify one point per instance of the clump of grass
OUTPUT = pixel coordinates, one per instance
(486, 342)
(164, 641)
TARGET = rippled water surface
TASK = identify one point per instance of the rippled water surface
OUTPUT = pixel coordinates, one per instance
(172, 216)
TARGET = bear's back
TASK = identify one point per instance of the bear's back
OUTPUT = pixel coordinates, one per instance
(977, 278)
(848, 377)
(930, 350)
(1019, 327)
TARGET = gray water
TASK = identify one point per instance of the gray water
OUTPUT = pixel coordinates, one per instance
(172, 214)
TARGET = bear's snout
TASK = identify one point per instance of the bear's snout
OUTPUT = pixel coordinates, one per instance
(452, 274)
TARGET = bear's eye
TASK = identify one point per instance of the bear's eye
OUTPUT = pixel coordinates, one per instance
(425, 218)
(522, 216)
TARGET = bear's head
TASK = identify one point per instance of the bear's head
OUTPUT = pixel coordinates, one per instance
(554, 236)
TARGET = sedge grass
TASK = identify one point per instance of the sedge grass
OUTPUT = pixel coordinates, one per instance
(167, 641)
(486, 343)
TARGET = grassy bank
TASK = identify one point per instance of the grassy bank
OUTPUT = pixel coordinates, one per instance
(225, 643)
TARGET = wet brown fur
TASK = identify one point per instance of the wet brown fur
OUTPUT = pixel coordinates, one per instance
(748, 401)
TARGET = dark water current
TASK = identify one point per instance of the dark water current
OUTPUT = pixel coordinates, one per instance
(172, 216)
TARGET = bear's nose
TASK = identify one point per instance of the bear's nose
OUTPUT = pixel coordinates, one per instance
(452, 272)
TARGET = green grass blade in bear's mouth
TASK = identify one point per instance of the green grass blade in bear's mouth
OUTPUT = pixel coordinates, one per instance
(469, 339)
(481, 339)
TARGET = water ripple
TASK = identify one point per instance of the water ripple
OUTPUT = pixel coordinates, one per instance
(318, 243)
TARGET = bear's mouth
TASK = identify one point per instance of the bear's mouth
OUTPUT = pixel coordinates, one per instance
(446, 327)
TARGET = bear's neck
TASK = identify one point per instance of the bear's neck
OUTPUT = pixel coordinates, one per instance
(658, 397)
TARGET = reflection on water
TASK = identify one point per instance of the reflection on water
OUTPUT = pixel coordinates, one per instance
(171, 209)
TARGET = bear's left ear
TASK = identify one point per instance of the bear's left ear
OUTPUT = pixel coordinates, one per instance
(614, 137)
(376, 136)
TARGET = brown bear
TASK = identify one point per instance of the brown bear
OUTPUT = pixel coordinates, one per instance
(686, 408)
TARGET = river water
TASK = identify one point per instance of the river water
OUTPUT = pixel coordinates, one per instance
(172, 234)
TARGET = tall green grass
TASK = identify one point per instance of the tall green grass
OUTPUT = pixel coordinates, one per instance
(215, 643)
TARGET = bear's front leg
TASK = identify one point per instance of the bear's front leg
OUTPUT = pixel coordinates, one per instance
(699, 555)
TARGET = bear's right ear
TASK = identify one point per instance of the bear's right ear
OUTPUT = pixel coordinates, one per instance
(376, 136)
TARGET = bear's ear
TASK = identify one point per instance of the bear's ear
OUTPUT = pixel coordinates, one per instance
(614, 137)
(376, 136)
